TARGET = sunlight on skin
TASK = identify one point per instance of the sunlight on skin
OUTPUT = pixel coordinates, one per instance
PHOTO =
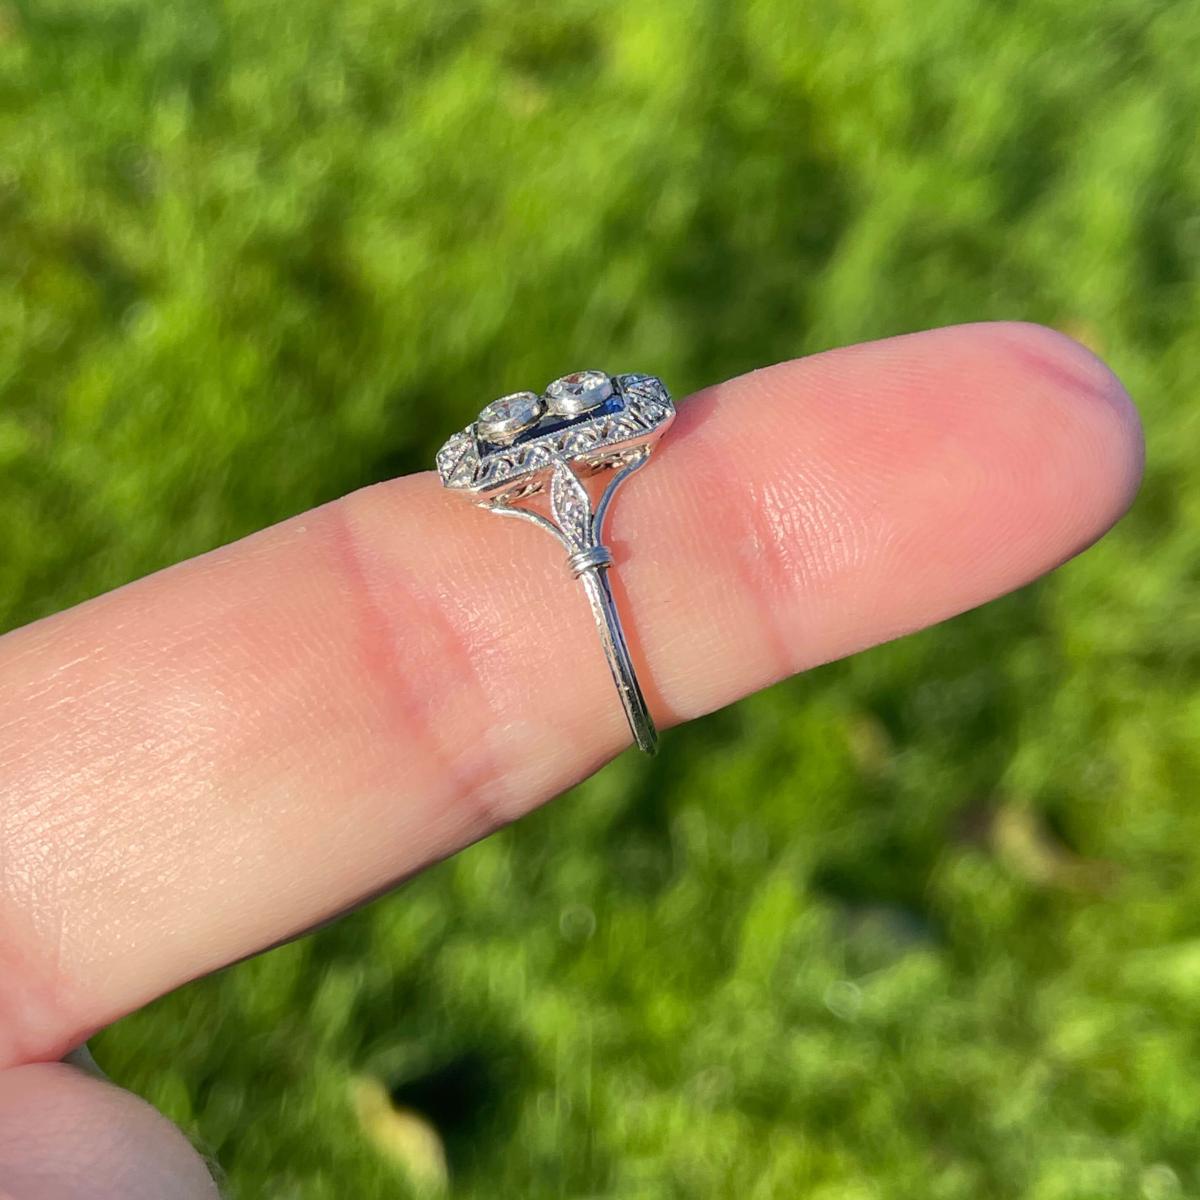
(228, 752)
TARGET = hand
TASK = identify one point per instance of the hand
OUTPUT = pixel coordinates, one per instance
(226, 753)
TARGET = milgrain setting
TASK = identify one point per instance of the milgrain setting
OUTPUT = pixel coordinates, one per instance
(527, 445)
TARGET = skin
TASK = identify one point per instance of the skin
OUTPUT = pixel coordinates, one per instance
(217, 757)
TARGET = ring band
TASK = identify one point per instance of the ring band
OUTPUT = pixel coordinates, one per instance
(527, 444)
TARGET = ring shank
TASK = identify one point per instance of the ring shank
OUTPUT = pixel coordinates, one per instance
(616, 651)
(589, 559)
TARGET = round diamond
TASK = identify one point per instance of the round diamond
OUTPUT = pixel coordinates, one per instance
(507, 418)
(579, 392)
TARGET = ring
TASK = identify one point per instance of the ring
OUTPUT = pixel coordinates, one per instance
(525, 444)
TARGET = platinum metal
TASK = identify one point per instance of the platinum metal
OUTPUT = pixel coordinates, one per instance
(615, 437)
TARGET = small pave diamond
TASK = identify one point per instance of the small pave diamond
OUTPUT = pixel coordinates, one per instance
(506, 418)
(451, 453)
(579, 392)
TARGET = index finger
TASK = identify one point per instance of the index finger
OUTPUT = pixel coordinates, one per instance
(225, 753)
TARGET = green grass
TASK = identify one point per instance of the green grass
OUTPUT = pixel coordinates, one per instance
(922, 924)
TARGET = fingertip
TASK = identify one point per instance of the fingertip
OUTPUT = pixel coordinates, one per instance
(1058, 430)
(66, 1134)
(1104, 407)
(889, 485)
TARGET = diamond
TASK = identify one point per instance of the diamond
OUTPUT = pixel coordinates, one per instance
(579, 392)
(509, 417)
(642, 385)
(448, 456)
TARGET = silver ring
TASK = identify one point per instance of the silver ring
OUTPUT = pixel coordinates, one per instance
(527, 444)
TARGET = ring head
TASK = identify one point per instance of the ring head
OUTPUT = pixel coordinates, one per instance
(515, 441)
(504, 420)
(579, 392)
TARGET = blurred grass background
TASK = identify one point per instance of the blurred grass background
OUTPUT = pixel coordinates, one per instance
(921, 924)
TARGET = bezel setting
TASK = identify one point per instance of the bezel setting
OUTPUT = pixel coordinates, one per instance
(578, 393)
(504, 420)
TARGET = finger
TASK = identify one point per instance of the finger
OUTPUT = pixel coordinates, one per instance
(226, 752)
(65, 1135)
